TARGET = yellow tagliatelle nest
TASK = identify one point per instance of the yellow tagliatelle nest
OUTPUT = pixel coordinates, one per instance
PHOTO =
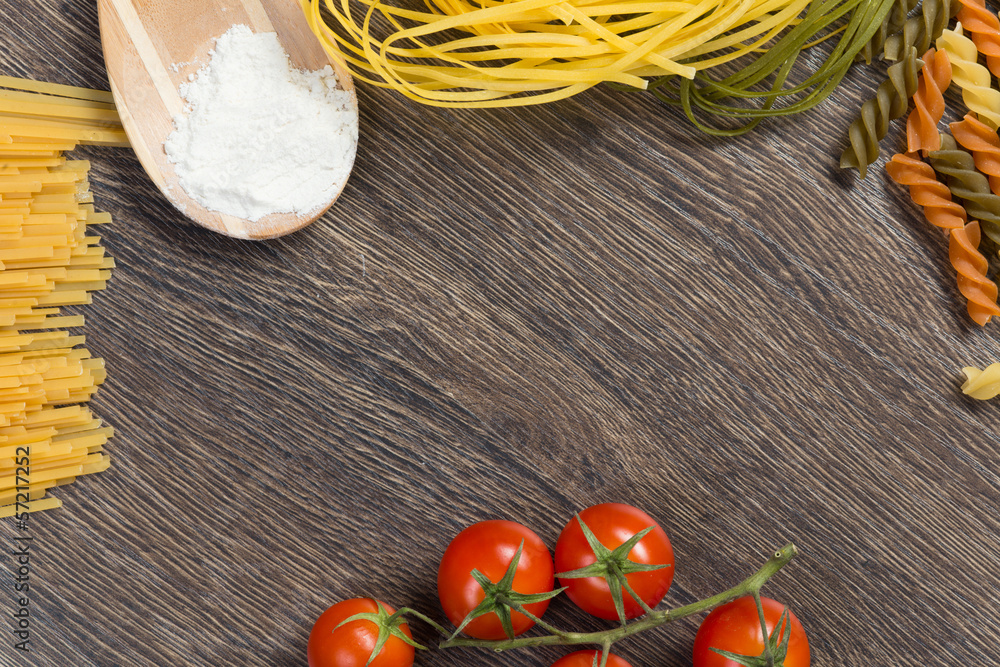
(48, 259)
(519, 52)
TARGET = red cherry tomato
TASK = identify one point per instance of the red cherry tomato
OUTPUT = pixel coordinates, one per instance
(586, 659)
(351, 644)
(735, 627)
(489, 546)
(613, 524)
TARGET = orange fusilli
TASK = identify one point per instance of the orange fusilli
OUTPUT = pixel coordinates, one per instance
(971, 267)
(984, 144)
(921, 125)
(963, 244)
(927, 191)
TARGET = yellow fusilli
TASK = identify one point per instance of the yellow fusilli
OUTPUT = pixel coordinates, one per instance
(982, 384)
(974, 79)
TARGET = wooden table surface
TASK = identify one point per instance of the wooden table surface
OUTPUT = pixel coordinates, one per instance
(516, 314)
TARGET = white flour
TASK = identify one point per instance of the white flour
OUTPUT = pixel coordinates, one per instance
(259, 136)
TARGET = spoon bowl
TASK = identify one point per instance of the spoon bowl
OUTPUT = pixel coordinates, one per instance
(151, 47)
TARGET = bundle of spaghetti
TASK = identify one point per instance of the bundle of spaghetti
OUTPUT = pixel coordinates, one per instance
(47, 117)
(890, 102)
(982, 384)
(967, 184)
(922, 30)
(983, 27)
(928, 102)
(974, 79)
(983, 142)
(48, 259)
(970, 265)
(489, 53)
(764, 80)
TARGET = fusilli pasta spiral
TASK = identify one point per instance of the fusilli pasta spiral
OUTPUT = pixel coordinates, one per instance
(983, 27)
(941, 211)
(967, 184)
(891, 24)
(984, 143)
(927, 191)
(921, 31)
(974, 79)
(921, 125)
(971, 266)
(982, 384)
(890, 102)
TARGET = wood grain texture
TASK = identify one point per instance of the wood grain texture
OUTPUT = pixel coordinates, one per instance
(515, 314)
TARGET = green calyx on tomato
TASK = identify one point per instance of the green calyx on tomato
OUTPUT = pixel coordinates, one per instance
(389, 625)
(733, 635)
(500, 598)
(777, 647)
(613, 565)
(362, 631)
(489, 548)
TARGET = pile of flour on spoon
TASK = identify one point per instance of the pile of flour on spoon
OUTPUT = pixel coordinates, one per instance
(259, 136)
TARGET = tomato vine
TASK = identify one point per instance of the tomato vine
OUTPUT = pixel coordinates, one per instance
(496, 580)
(605, 638)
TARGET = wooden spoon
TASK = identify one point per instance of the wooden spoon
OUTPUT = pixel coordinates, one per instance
(152, 46)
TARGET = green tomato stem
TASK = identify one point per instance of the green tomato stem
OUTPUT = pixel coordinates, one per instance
(403, 611)
(547, 626)
(749, 586)
(768, 657)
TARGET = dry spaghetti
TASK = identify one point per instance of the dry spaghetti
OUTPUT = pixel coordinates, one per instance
(48, 259)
